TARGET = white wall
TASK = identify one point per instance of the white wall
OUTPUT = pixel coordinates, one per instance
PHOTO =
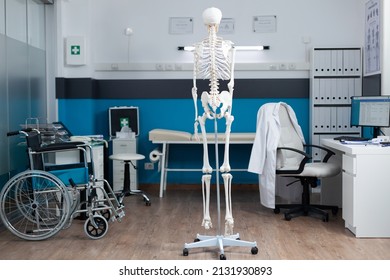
(385, 61)
(103, 22)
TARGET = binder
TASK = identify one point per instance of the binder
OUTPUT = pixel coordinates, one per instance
(344, 98)
(316, 62)
(325, 119)
(316, 91)
(327, 62)
(357, 62)
(337, 62)
(328, 91)
(315, 118)
(333, 119)
(347, 62)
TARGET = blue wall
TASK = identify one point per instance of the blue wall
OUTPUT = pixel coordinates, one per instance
(90, 116)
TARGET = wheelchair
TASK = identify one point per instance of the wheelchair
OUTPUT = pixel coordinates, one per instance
(44, 199)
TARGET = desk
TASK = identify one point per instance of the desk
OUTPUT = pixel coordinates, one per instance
(365, 188)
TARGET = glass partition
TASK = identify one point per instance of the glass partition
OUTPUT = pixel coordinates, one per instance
(2, 17)
(36, 24)
(16, 20)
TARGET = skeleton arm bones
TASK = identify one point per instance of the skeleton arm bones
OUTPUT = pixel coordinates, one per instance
(195, 98)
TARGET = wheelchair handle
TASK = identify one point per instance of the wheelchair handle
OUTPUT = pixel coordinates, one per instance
(17, 132)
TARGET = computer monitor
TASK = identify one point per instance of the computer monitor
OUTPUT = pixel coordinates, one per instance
(372, 111)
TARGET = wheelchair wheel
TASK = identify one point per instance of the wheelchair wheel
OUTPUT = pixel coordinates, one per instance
(34, 205)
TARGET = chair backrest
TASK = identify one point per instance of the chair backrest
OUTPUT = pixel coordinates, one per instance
(288, 138)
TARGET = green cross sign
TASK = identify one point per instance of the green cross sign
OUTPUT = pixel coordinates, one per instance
(75, 50)
(124, 122)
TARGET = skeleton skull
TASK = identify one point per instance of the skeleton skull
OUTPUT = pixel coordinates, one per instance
(212, 16)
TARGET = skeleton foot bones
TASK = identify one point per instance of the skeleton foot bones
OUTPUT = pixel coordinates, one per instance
(214, 60)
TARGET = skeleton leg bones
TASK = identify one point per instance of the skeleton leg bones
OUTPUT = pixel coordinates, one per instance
(227, 178)
(229, 222)
(206, 179)
(226, 164)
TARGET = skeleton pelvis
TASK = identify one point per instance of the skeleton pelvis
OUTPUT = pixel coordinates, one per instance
(218, 102)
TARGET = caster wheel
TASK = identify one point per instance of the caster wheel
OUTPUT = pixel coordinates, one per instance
(325, 218)
(254, 250)
(287, 217)
(120, 197)
(185, 252)
(96, 227)
(335, 211)
(277, 210)
(148, 203)
(196, 240)
(222, 257)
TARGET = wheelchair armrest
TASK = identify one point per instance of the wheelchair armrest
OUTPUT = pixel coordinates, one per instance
(329, 152)
(61, 146)
(306, 158)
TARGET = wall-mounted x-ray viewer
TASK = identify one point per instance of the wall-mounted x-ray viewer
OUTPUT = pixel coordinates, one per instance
(238, 48)
(123, 116)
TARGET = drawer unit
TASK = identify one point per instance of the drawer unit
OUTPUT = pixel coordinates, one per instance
(365, 194)
(365, 188)
(123, 146)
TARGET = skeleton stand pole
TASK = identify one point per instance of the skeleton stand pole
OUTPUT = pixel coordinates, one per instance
(219, 240)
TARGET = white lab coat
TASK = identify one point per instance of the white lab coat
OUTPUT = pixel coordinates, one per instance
(263, 156)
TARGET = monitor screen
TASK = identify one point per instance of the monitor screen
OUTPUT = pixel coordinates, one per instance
(370, 111)
(123, 116)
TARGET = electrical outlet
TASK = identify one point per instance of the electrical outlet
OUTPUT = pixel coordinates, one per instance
(169, 67)
(282, 66)
(160, 67)
(149, 165)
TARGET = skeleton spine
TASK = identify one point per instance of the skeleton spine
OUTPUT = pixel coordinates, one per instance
(213, 78)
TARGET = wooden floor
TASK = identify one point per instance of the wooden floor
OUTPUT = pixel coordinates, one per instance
(159, 231)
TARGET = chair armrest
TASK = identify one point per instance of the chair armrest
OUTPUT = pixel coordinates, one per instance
(329, 152)
(306, 158)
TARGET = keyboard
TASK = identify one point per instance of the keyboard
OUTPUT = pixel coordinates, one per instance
(350, 138)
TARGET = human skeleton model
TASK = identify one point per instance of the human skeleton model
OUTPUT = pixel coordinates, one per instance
(214, 60)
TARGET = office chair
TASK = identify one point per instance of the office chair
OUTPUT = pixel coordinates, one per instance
(293, 161)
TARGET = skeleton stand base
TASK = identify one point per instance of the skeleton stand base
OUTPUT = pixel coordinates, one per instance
(220, 241)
